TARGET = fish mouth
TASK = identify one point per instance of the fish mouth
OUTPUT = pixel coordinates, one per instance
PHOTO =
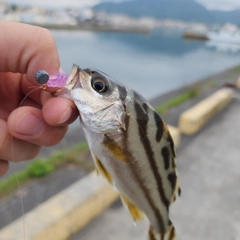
(74, 78)
(73, 81)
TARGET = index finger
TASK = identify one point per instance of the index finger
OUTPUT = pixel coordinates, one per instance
(26, 49)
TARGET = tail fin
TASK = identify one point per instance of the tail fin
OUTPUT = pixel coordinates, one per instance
(170, 234)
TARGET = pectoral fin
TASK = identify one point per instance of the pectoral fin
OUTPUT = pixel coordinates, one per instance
(134, 211)
(100, 169)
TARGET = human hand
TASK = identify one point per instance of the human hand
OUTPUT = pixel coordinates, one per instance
(42, 119)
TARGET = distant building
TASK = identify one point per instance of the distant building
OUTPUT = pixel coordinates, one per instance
(3, 9)
(86, 14)
(39, 16)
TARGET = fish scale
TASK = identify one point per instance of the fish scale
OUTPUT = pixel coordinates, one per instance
(130, 144)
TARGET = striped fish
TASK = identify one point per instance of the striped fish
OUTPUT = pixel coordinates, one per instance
(130, 145)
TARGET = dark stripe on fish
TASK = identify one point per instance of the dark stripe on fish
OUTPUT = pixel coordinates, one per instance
(166, 155)
(172, 178)
(142, 121)
(160, 128)
(151, 235)
(145, 107)
(170, 140)
(122, 95)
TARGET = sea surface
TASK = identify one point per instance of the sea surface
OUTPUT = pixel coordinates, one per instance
(152, 64)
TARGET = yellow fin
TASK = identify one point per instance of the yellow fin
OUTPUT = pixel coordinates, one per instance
(97, 171)
(134, 211)
(101, 169)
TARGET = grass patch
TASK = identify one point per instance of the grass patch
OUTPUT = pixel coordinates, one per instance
(212, 84)
(237, 69)
(10, 183)
(177, 100)
(40, 167)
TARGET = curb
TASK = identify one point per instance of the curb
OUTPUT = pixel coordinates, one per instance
(176, 136)
(192, 120)
(238, 83)
(65, 213)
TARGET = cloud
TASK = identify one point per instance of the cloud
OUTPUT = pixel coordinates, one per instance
(56, 3)
(224, 5)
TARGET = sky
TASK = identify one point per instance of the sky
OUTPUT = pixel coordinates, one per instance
(225, 5)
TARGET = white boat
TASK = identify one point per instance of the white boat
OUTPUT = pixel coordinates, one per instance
(225, 36)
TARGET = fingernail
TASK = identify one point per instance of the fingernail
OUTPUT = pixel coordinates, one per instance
(66, 115)
(29, 124)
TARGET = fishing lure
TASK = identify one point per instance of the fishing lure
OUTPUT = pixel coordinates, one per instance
(57, 80)
(130, 145)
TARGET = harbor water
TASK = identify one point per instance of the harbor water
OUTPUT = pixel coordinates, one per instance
(152, 64)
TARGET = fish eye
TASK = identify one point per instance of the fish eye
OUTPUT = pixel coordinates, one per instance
(100, 85)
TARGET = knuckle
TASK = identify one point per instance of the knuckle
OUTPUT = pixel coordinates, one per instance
(4, 166)
(47, 36)
(25, 151)
(34, 153)
(55, 139)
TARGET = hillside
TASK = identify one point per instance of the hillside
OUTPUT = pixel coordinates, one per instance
(186, 10)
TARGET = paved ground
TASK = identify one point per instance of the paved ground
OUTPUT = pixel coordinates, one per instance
(209, 172)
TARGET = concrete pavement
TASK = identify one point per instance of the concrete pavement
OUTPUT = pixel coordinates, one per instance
(117, 218)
